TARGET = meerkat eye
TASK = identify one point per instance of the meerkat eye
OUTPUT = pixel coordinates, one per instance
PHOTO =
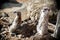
(46, 10)
(14, 11)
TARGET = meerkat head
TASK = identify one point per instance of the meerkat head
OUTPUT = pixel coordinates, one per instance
(17, 13)
(45, 10)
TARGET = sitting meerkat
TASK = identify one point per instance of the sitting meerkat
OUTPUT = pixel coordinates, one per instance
(42, 27)
(16, 22)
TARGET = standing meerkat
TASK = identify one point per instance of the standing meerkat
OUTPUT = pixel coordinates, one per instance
(42, 27)
(16, 22)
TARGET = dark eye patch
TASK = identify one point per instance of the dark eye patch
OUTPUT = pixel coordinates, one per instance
(46, 10)
(14, 11)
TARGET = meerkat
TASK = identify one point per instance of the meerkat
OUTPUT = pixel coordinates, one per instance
(42, 27)
(16, 22)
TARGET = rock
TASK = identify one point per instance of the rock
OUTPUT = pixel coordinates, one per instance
(19, 1)
(3, 14)
(45, 37)
(9, 5)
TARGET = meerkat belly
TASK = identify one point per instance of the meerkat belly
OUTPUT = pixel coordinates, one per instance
(13, 27)
(42, 26)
